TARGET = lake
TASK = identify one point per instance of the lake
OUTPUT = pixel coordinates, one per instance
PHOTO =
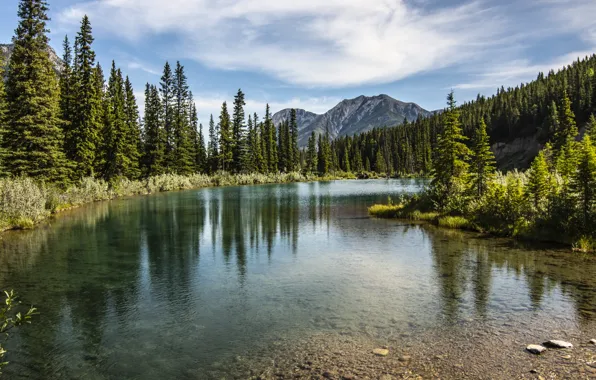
(179, 285)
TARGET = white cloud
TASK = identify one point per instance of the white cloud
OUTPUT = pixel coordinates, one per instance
(135, 65)
(330, 43)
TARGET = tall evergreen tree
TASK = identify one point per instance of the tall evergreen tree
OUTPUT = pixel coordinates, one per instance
(116, 162)
(166, 91)
(591, 128)
(83, 140)
(324, 159)
(483, 160)
(133, 132)
(250, 156)
(312, 159)
(449, 167)
(154, 149)
(380, 164)
(258, 145)
(295, 150)
(67, 83)
(584, 183)
(213, 148)
(270, 142)
(183, 157)
(200, 150)
(33, 141)
(2, 117)
(238, 133)
(538, 182)
(225, 139)
(567, 126)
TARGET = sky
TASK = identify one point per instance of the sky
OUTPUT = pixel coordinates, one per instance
(311, 54)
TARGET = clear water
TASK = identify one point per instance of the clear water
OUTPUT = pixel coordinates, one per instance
(174, 285)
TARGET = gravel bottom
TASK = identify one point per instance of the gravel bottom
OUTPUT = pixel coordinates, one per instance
(465, 354)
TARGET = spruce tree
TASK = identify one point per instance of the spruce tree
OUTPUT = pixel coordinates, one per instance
(538, 182)
(250, 160)
(225, 139)
(380, 164)
(116, 162)
(166, 91)
(213, 148)
(483, 160)
(591, 128)
(567, 129)
(358, 167)
(312, 159)
(258, 145)
(347, 167)
(584, 183)
(199, 150)
(295, 150)
(67, 96)
(2, 117)
(238, 133)
(33, 141)
(324, 159)
(449, 166)
(132, 132)
(83, 140)
(154, 147)
(183, 157)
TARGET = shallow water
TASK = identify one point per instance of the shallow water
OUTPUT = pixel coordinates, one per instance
(177, 284)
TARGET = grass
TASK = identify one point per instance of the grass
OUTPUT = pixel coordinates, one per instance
(400, 211)
(25, 202)
(454, 222)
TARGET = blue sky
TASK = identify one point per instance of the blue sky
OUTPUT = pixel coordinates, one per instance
(312, 53)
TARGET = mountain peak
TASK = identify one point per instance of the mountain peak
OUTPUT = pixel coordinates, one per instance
(352, 116)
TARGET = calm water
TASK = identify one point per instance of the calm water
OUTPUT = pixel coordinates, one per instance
(174, 285)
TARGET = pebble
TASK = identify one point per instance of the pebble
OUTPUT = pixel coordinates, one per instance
(593, 341)
(386, 377)
(405, 358)
(535, 349)
(381, 351)
(558, 344)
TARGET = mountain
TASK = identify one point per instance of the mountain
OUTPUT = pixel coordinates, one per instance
(352, 116)
(6, 51)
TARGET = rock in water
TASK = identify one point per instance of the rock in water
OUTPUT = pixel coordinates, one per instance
(381, 351)
(535, 349)
(593, 341)
(558, 344)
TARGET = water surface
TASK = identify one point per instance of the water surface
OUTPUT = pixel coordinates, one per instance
(175, 285)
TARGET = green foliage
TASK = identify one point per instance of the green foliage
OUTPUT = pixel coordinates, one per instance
(153, 162)
(182, 144)
(226, 145)
(539, 182)
(450, 169)
(584, 186)
(238, 134)
(312, 158)
(33, 139)
(12, 315)
(483, 161)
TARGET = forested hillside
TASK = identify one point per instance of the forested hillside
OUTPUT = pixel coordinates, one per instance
(520, 121)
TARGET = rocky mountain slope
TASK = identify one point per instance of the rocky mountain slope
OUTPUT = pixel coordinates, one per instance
(6, 51)
(352, 116)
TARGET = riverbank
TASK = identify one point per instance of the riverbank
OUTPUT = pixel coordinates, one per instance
(25, 202)
(472, 350)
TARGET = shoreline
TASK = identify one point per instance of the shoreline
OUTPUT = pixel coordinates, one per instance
(96, 190)
(399, 212)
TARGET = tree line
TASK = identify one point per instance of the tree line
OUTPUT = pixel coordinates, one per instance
(529, 110)
(60, 128)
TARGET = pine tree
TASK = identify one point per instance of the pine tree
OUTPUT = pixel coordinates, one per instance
(116, 163)
(238, 134)
(295, 151)
(358, 167)
(591, 128)
(166, 91)
(33, 141)
(347, 167)
(225, 139)
(183, 157)
(153, 153)
(84, 139)
(258, 145)
(312, 159)
(567, 127)
(67, 99)
(213, 148)
(483, 160)
(3, 127)
(200, 151)
(538, 182)
(270, 141)
(132, 132)
(380, 164)
(249, 163)
(584, 183)
(324, 159)
(450, 167)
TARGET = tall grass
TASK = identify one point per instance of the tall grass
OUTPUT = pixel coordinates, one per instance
(25, 202)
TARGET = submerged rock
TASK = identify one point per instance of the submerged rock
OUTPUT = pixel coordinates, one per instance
(381, 351)
(535, 349)
(558, 344)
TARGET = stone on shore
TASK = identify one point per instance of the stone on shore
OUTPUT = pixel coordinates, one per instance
(558, 344)
(535, 349)
(381, 351)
